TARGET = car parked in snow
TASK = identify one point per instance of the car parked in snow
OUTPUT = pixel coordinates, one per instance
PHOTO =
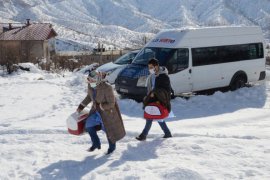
(113, 68)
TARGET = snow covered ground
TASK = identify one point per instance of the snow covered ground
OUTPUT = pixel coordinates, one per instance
(223, 136)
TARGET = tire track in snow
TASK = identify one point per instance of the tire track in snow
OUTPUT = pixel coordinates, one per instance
(32, 132)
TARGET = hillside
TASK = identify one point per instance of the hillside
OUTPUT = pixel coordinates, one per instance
(119, 23)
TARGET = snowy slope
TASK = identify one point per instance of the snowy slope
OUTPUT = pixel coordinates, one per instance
(223, 136)
(123, 23)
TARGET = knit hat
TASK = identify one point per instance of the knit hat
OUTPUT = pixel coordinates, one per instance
(101, 77)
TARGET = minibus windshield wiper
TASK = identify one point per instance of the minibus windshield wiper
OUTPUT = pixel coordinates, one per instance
(139, 64)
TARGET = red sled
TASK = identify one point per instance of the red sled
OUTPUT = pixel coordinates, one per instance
(155, 111)
(76, 123)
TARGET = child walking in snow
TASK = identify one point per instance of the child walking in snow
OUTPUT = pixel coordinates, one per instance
(104, 102)
(158, 87)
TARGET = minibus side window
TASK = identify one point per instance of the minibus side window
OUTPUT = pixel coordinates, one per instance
(260, 51)
(205, 56)
(178, 61)
(255, 51)
(252, 51)
(225, 54)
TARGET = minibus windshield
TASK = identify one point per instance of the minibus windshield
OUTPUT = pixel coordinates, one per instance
(161, 54)
(125, 59)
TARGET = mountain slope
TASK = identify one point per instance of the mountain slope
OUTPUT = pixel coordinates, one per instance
(119, 23)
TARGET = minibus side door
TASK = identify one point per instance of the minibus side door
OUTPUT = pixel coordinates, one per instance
(178, 67)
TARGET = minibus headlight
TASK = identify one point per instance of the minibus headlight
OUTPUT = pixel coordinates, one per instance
(142, 81)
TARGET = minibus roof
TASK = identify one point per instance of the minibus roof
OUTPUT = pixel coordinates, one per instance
(207, 36)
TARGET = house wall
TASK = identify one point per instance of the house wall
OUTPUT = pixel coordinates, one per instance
(46, 50)
(22, 51)
(9, 52)
(32, 51)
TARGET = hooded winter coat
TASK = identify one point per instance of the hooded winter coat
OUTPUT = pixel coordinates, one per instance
(108, 108)
(162, 89)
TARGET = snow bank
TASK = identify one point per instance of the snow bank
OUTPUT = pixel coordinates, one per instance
(79, 77)
(28, 71)
(77, 80)
(32, 68)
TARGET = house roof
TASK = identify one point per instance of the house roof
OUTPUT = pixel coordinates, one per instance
(29, 33)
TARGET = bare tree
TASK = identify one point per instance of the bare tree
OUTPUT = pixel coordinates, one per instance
(8, 58)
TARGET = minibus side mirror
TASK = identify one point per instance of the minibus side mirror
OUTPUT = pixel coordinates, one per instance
(130, 60)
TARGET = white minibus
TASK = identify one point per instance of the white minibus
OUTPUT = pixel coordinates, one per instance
(199, 59)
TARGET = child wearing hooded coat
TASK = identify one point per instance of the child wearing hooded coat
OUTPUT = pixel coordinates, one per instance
(158, 89)
(104, 102)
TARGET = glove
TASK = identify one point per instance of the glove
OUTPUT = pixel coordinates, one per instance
(80, 108)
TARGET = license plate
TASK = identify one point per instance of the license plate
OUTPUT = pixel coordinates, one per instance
(123, 90)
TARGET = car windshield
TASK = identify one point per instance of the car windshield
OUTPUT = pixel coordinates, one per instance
(125, 59)
(161, 54)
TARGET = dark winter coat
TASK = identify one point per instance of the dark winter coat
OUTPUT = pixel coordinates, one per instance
(159, 95)
(162, 89)
(108, 108)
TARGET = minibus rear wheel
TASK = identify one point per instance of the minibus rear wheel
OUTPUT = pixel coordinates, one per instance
(238, 82)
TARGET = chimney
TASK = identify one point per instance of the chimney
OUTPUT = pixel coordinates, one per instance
(28, 22)
(9, 26)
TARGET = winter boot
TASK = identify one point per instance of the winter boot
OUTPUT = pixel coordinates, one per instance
(92, 148)
(111, 149)
(141, 137)
(167, 135)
